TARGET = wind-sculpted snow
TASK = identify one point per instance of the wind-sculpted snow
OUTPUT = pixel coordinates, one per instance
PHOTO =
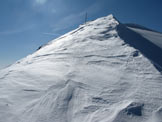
(96, 73)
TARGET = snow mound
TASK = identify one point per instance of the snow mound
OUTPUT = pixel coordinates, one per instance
(130, 111)
(59, 103)
(134, 109)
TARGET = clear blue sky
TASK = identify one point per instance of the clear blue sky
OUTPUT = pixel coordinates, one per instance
(27, 24)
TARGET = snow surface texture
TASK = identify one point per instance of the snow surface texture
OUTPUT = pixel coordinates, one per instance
(101, 72)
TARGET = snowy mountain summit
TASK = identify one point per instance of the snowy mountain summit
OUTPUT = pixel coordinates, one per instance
(104, 71)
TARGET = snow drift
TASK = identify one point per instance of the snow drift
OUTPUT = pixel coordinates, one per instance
(104, 71)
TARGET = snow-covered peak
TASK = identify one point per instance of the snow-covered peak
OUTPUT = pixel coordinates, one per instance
(103, 71)
(104, 24)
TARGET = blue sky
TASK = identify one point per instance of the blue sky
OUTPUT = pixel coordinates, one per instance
(27, 24)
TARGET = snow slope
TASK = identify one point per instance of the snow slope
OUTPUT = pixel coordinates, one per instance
(96, 73)
(152, 36)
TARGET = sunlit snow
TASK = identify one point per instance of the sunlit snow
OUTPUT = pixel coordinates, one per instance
(91, 74)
